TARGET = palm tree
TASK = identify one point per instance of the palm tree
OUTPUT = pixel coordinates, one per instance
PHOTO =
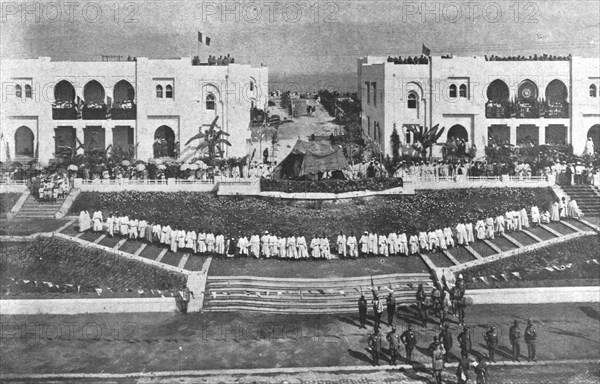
(425, 138)
(211, 140)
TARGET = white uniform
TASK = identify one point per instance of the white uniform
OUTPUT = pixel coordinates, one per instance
(97, 219)
(341, 245)
(352, 246)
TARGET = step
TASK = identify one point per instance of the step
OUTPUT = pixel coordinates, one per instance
(286, 304)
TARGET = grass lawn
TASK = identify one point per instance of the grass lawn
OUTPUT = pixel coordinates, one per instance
(7, 201)
(578, 253)
(61, 262)
(316, 268)
(233, 216)
(24, 227)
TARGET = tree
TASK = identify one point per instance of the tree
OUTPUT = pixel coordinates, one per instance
(211, 141)
(425, 138)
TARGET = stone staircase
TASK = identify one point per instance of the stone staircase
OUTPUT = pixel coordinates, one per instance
(306, 296)
(587, 197)
(32, 208)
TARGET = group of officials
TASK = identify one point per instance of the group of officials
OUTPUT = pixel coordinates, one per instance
(442, 344)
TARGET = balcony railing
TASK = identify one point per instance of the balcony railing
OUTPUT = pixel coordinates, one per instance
(526, 110)
(497, 111)
(556, 111)
(68, 112)
(120, 113)
(95, 112)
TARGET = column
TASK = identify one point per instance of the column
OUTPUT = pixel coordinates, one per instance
(513, 134)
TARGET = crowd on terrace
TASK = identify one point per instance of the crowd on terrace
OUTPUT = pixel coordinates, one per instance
(408, 60)
(544, 57)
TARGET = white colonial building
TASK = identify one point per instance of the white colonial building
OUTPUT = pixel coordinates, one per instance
(543, 101)
(47, 104)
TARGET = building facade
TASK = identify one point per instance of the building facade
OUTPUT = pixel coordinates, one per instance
(152, 105)
(479, 100)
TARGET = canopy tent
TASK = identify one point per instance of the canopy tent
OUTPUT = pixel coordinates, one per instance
(310, 157)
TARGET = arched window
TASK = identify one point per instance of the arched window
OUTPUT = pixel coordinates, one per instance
(412, 101)
(210, 102)
(27, 91)
(452, 90)
(593, 90)
(159, 91)
(169, 92)
(462, 90)
(18, 91)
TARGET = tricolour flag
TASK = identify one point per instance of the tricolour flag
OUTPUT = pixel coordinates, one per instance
(203, 39)
(426, 51)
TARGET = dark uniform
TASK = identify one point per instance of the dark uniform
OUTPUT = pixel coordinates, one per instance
(514, 335)
(375, 345)
(377, 310)
(185, 299)
(462, 371)
(464, 340)
(530, 340)
(491, 340)
(390, 303)
(362, 311)
(446, 340)
(409, 339)
(394, 342)
(436, 303)
(421, 297)
(481, 372)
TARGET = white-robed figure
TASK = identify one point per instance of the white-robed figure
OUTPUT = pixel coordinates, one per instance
(480, 229)
(448, 235)
(434, 242)
(142, 225)
(373, 243)
(109, 225)
(340, 243)
(524, 218)
(517, 221)
(403, 244)
(545, 217)
(325, 251)
(563, 208)
(554, 212)
(181, 234)
(302, 247)
(201, 242)
(173, 240)
(489, 228)
(573, 211)
(510, 224)
(85, 221)
(364, 243)
(264, 244)
(383, 245)
(283, 247)
(470, 232)
(315, 247)
(292, 250)
(589, 147)
(220, 244)
(255, 246)
(414, 244)
(535, 215)
(190, 241)
(124, 224)
(424, 241)
(117, 225)
(165, 236)
(133, 229)
(242, 245)
(210, 243)
(97, 219)
(392, 241)
(441, 238)
(156, 233)
(274, 246)
(352, 246)
(461, 234)
(499, 224)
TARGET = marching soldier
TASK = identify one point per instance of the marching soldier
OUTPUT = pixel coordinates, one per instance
(390, 302)
(377, 309)
(394, 342)
(514, 335)
(375, 346)
(446, 339)
(464, 340)
(437, 359)
(530, 340)
(480, 371)
(362, 310)
(409, 339)
(491, 340)
(421, 297)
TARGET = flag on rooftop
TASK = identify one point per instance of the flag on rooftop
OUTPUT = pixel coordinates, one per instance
(426, 51)
(203, 39)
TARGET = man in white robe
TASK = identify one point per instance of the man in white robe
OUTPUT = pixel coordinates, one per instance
(433, 243)
(573, 211)
(324, 245)
(201, 242)
(499, 224)
(392, 241)
(448, 236)
(480, 229)
(461, 234)
(220, 244)
(255, 246)
(124, 223)
(133, 229)
(210, 242)
(273, 246)
(341, 245)
(414, 244)
(302, 247)
(292, 247)
(142, 225)
(424, 241)
(242, 245)
(403, 244)
(554, 211)
(282, 247)
(373, 243)
(173, 240)
(383, 245)
(98, 221)
(524, 218)
(489, 228)
(181, 239)
(535, 214)
(315, 246)
(264, 244)
(109, 225)
(441, 239)
(364, 244)
(165, 235)
(191, 241)
(470, 232)
(352, 246)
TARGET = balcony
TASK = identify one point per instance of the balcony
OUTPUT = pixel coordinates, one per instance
(525, 110)
(125, 110)
(64, 110)
(497, 110)
(556, 111)
(94, 111)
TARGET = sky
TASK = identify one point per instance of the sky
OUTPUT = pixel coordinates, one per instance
(305, 39)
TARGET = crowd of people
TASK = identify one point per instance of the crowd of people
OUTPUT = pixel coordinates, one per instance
(289, 246)
(544, 57)
(408, 60)
(48, 187)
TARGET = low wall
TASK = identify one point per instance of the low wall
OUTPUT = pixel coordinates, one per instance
(18, 205)
(64, 209)
(406, 190)
(79, 306)
(541, 295)
(13, 188)
(170, 185)
(464, 182)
